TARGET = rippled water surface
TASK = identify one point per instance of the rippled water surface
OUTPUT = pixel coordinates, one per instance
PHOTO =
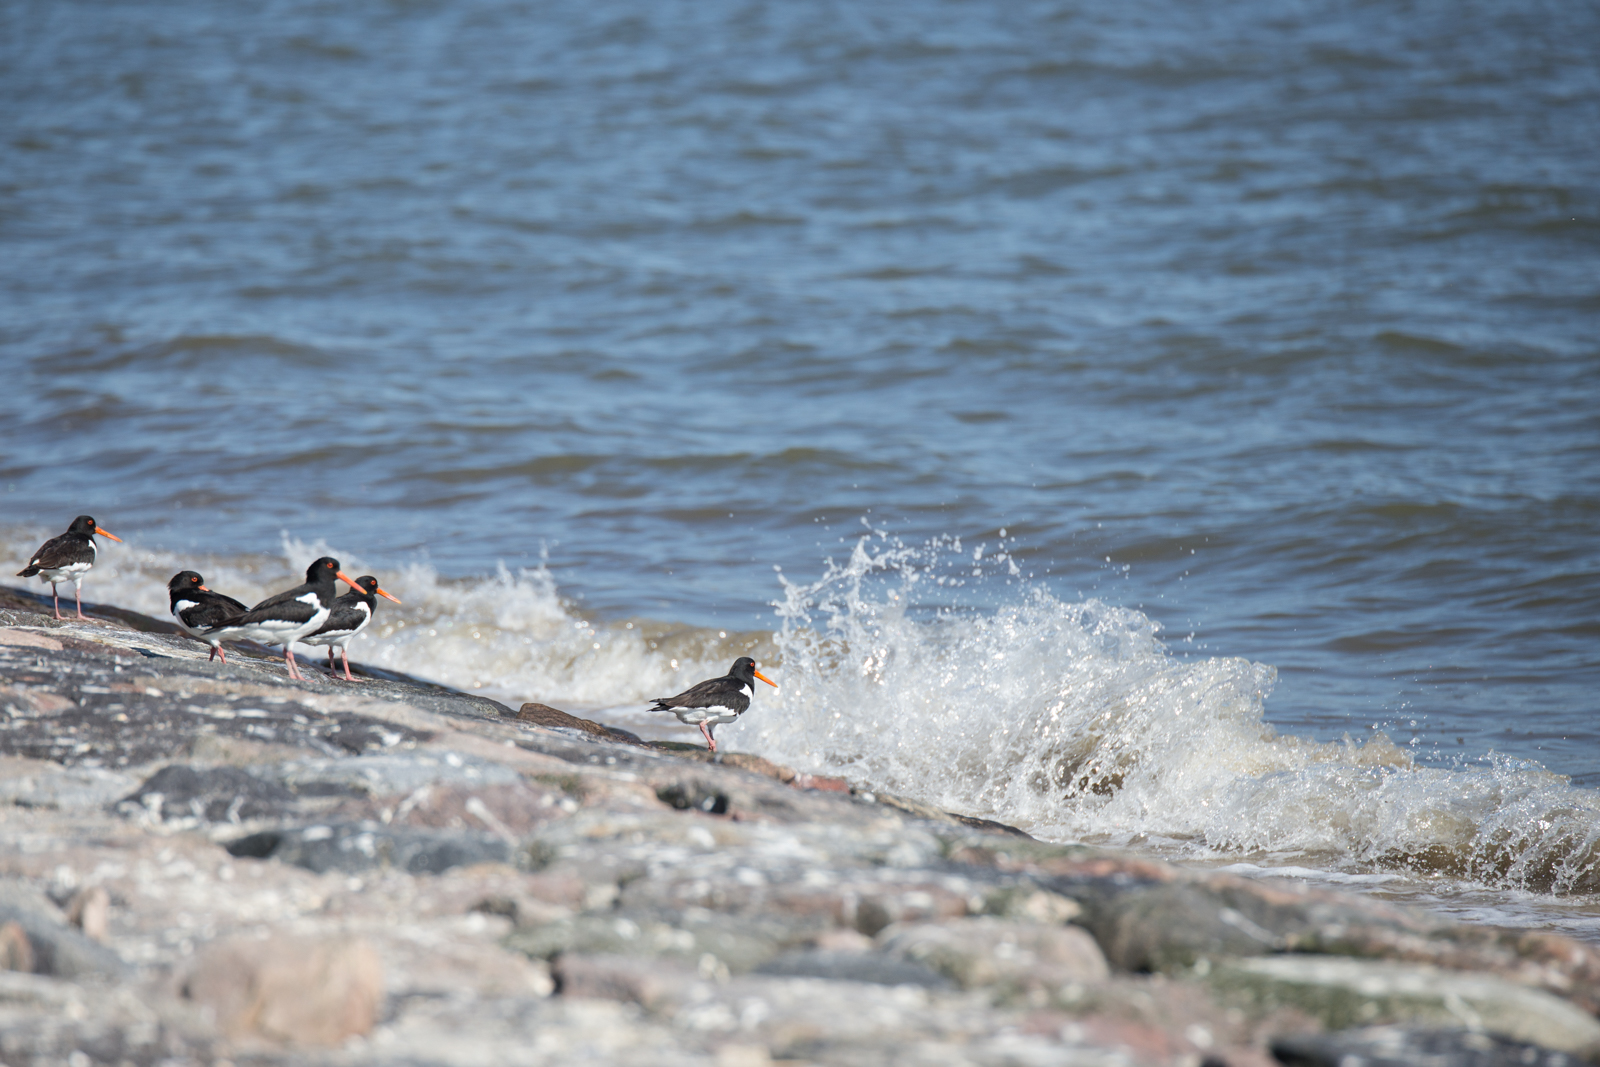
(1210, 382)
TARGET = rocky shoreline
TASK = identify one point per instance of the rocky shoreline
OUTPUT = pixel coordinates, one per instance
(203, 864)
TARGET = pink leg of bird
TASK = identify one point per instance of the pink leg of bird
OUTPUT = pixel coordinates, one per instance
(711, 742)
(57, 597)
(77, 593)
(288, 658)
(344, 654)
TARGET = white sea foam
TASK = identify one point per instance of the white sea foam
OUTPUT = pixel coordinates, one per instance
(1074, 721)
(1309, 874)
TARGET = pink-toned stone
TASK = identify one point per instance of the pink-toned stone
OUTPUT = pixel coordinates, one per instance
(758, 765)
(653, 984)
(985, 952)
(820, 782)
(545, 715)
(33, 699)
(90, 911)
(1110, 867)
(903, 904)
(27, 639)
(16, 951)
(292, 991)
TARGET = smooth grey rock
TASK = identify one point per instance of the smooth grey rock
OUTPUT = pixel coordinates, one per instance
(47, 1021)
(33, 785)
(1168, 925)
(364, 846)
(875, 967)
(736, 944)
(975, 953)
(652, 983)
(1395, 1046)
(89, 711)
(57, 948)
(1171, 926)
(390, 773)
(1343, 993)
(182, 793)
(1025, 903)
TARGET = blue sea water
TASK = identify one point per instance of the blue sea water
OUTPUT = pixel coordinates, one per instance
(1245, 350)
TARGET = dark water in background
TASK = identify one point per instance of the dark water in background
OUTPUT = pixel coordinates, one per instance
(1276, 322)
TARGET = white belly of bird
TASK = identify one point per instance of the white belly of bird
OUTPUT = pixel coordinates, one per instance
(72, 572)
(279, 631)
(715, 715)
(177, 613)
(340, 638)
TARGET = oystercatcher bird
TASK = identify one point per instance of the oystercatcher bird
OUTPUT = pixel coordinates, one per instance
(289, 616)
(351, 614)
(197, 609)
(67, 558)
(715, 701)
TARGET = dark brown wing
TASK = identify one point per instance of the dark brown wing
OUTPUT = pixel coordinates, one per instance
(713, 693)
(222, 601)
(346, 617)
(59, 551)
(208, 609)
(286, 605)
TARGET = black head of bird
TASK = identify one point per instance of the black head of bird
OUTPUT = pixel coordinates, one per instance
(369, 585)
(744, 669)
(327, 569)
(186, 581)
(83, 524)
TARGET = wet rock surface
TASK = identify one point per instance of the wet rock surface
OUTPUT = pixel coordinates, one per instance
(1393, 1046)
(202, 862)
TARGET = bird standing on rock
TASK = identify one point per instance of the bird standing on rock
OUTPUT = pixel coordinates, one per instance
(198, 609)
(67, 558)
(351, 614)
(289, 616)
(715, 701)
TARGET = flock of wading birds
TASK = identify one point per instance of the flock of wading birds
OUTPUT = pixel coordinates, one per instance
(314, 614)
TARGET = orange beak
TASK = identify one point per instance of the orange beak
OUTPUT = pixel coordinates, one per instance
(764, 678)
(346, 579)
(202, 588)
(381, 593)
(103, 532)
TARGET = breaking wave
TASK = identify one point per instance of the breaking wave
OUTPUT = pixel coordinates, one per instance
(1074, 721)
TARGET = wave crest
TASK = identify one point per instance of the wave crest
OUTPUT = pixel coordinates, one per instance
(1075, 721)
